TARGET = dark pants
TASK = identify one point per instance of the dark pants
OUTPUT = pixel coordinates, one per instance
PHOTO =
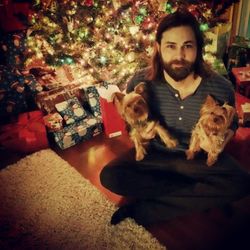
(167, 185)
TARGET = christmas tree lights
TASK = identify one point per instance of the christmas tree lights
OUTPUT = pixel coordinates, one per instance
(108, 39)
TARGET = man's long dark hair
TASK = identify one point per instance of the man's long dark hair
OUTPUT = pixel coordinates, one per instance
(181, 17)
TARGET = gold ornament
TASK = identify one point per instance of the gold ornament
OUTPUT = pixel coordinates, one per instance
(130, 57)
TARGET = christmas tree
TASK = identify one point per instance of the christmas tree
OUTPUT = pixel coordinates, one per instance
(108, 39)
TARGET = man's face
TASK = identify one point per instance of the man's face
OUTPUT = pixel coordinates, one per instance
(178, 51)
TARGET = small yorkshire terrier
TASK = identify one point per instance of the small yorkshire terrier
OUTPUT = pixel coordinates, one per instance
(135, 111)
(211, 130)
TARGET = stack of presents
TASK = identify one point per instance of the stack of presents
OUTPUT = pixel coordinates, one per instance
(35, 106)
(34, 109)
(39, 103)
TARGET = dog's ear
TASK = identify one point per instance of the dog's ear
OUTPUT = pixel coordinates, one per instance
(230, 112)
(141, 90)
(210, 101)
(117, 99)
(209, 104)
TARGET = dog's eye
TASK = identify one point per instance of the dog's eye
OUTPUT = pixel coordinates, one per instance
(224, 110)
(140, 102)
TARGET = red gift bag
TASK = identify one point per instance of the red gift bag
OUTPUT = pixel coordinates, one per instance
(27, 135)
(113, 124)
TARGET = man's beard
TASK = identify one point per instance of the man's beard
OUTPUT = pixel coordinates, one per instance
(178, 73)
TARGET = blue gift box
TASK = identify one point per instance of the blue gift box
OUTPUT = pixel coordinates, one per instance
(13, 47)
(93, 99)
(79, 131)
(14, 89)
(71, 110)
(12, 97)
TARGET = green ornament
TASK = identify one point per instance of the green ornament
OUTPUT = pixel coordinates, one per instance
(168, 8)
(139, 19)
(83, 33)
(69, 60)
(33, 20)
(52, 40)
(204, 27)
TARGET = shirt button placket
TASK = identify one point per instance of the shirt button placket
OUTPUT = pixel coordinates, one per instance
(181, 108)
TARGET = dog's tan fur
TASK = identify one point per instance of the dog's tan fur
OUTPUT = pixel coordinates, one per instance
(211, 130)
(134, 110)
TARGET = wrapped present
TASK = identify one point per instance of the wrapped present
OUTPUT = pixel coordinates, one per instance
(53, 122)
(64, 75)
(245, 113)
(46, 100)
(113, 124)
(27, 135)
(93, 99)
(45, 75)
(12, 96)
(78, 132)
(13, 46)
(15, 90)
(71, 110)
(238, 53)
(241, 77)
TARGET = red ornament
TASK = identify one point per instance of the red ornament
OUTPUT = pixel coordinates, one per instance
(89, 3)
(194, 10)
(148, 24)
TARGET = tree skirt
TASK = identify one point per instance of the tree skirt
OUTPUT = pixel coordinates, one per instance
(47, 204)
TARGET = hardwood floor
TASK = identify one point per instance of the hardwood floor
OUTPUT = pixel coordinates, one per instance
(210, 230)
(91, 156)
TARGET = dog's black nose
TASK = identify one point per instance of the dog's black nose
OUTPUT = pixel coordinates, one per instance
(136, 110)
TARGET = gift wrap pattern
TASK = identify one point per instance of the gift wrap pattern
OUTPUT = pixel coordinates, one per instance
(14, 87)
(53, 122)
(71, 110)
(93, 96)
(79, 131)
(14, 46)
(12, 98)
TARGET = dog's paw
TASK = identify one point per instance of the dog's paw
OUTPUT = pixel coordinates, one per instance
(140, 154)
(172, 143)
(139, 157)
(189, 154)
(211, 160)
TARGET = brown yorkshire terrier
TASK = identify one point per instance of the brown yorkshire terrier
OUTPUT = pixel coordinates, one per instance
(211, 130)
(134, 110)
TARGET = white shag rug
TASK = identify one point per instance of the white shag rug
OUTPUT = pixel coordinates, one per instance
(47, 204)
